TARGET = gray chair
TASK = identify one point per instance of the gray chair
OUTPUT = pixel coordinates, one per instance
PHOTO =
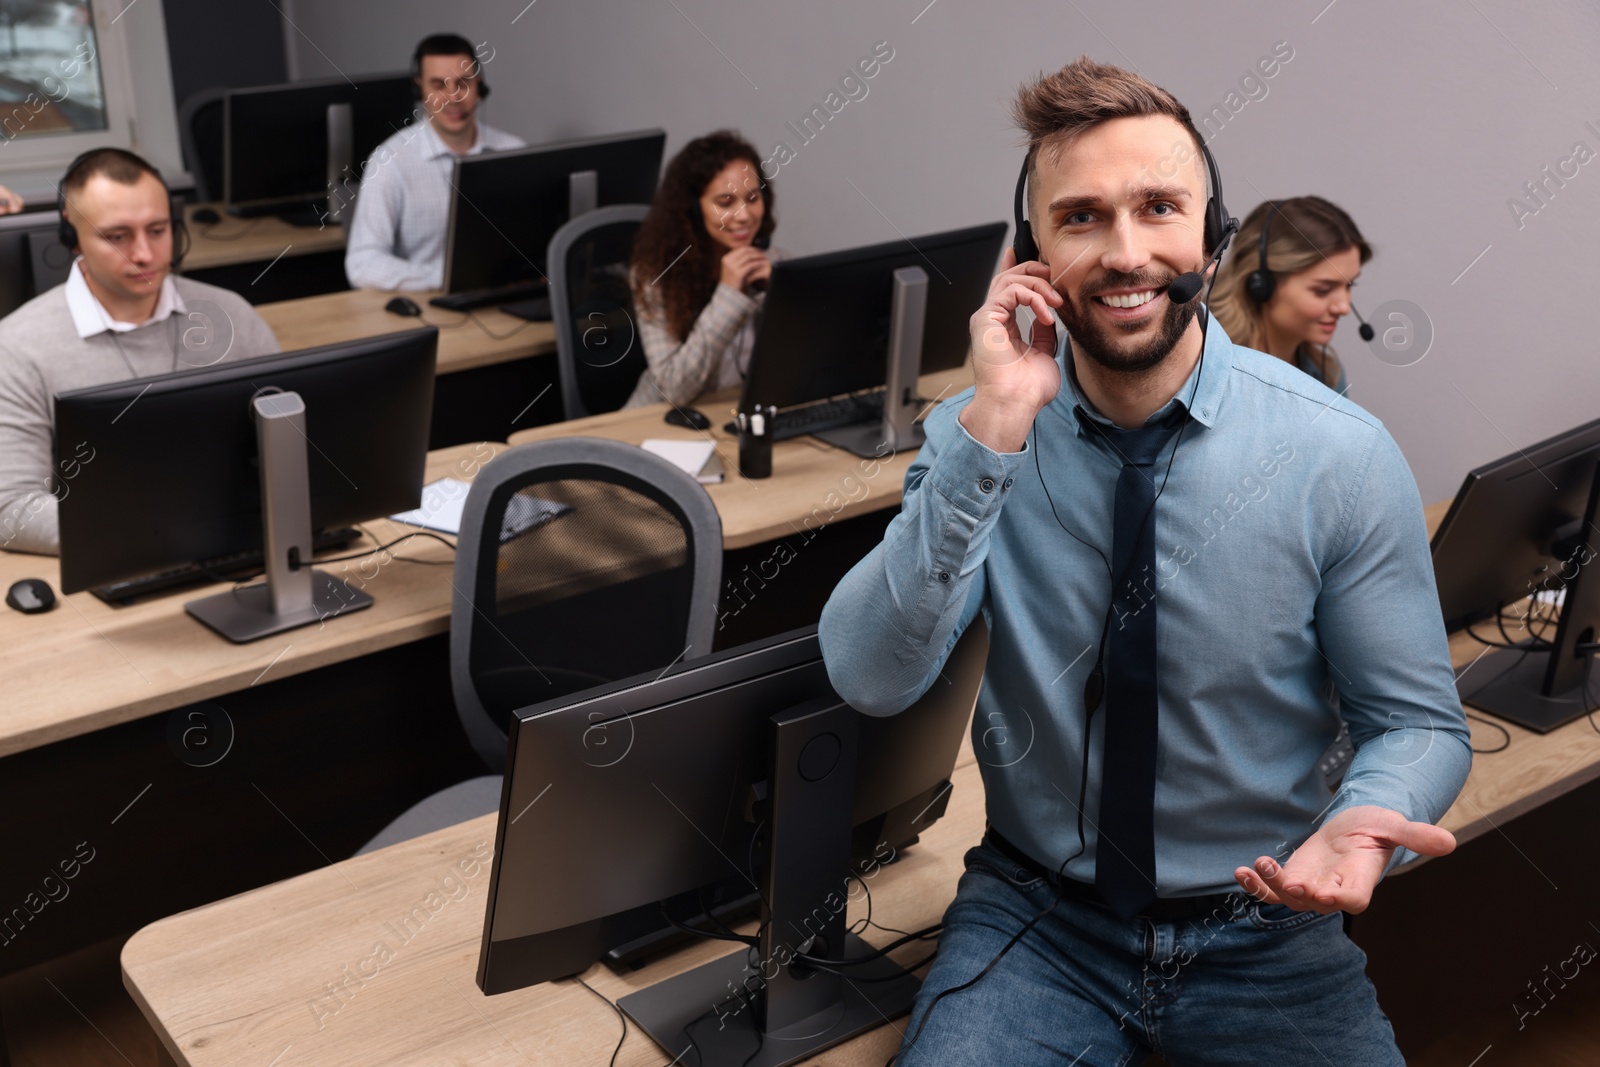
(200, 136)
(580, 561)
(591, 305)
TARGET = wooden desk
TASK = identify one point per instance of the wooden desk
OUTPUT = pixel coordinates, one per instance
(495, 371)
(482, 339)
(813, 483)
(271, 972)
(260, 240)
(247, 980)
(85, 665)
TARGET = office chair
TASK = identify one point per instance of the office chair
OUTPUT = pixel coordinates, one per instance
(597, 338)
(200, 135)
(580, 561)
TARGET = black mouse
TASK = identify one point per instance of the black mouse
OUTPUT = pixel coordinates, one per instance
(403, 305)
(31, 596)
(688, 418)
(206, 216)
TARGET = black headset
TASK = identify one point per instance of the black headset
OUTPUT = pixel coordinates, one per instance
(67, 233)
(442, 41)
(1261, 283)
(1219, 226)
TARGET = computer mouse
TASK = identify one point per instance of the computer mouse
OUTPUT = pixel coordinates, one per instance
(31, 596)
(206, 216)
(688, 418)
(403, 305)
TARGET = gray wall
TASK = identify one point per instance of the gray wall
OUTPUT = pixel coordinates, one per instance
(1422, 119)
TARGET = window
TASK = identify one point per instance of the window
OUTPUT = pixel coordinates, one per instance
(66, 83)
(50, 80)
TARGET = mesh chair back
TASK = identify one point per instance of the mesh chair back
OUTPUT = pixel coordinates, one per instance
(597, 339)
(581, 561)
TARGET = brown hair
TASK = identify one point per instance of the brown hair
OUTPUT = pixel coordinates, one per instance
(118, 164)
(676, 263)
(1304, 231)
(1055, 109)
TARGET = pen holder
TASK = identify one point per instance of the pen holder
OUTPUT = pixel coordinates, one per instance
(755, 441)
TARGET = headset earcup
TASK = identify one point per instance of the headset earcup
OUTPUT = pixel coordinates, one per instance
(67, 233)
(1259, 285)
(1024, 245)
(180, 236)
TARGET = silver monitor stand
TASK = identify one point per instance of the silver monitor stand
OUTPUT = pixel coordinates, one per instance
(294, 593)
(898, 430)
(583, 192)
(341, 153)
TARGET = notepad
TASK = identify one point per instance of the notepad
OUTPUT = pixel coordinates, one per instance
(698, 458)
(443, 500)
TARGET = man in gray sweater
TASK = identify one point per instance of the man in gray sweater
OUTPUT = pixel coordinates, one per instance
(120, 314)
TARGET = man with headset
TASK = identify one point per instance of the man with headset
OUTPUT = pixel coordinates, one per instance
(1218, 555)
(120, 314)
(403, 211)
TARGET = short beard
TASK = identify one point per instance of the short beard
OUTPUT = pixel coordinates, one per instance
(1097, 342)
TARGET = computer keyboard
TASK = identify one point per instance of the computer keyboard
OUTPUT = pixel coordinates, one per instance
(232, 567)
(826, 415)
(473, 299)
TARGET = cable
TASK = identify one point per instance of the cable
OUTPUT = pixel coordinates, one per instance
(1488, 722)
(391, 544)
(473, 315)
(612, 1005)
(709, 935)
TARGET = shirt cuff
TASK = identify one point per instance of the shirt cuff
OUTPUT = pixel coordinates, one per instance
(973, 476)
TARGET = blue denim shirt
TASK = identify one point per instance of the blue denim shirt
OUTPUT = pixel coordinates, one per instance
(1292, 584)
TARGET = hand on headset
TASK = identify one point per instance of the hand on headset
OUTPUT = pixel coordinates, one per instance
(1015, 379)
(1339, 866)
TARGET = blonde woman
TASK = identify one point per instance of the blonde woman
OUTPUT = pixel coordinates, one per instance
(1287, 283)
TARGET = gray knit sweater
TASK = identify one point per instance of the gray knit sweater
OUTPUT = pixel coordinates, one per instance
(41, 355)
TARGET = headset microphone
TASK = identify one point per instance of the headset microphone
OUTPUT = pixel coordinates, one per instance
(1366, 331)
(1185, 287)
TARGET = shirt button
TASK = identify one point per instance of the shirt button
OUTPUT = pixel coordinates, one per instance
(987, 485)
(1009, 482)
(944, 576)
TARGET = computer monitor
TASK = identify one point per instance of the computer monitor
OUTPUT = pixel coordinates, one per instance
(287, 147)
(255, 454)
(505, 206)
(22, 238)
(746, 765)
(1522, 525)
(867, 318)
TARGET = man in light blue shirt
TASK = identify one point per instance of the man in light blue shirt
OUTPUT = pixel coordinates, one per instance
(402, 214)
(1290, 563)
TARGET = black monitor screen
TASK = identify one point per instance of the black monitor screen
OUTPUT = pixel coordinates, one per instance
(507, 205)
(172, 474)
(277, 137)
(655, 777)
(1503, 534)
(21, 236)
(825, 327)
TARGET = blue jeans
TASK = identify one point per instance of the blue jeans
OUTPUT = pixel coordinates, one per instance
(1247, 984)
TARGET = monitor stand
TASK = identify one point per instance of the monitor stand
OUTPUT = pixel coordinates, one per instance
(583, 193)
(899, 429)
(294, 594)
(1544, 688)
(762, 1006)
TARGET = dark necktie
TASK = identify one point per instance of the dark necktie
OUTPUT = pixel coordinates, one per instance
(1125, 858)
